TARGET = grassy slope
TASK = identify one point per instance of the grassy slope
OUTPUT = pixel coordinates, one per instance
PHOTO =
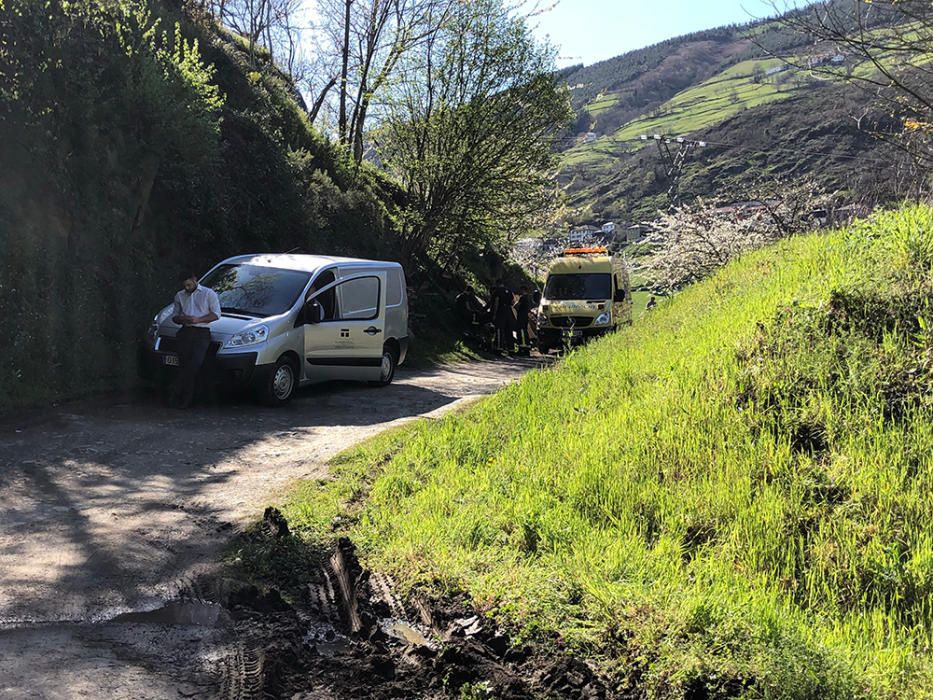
(764, 143)
(710, 102)
(591, 172)
(731, 496)
(694, 109)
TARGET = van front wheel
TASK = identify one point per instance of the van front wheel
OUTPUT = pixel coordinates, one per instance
(279, 385)
(387, 366)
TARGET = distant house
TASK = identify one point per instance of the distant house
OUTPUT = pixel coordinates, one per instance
(582, 234)
(589, 137)
(744, 209)
(777, 69)
(634, 233)
(609, 228)
(821, 59)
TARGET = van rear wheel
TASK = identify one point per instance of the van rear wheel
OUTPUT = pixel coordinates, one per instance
(388, 365)
(279, 385)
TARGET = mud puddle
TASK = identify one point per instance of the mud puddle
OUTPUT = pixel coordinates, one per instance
(179, 612)
(351, 636)
(343, 633)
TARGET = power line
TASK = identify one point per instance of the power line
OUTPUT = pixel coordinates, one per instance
(676, 160)
(844, 156)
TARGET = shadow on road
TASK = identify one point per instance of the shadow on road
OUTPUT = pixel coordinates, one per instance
(109, 506)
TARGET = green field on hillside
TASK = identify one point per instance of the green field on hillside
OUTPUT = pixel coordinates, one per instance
(598, 155)
(713, 101)
(602, 103)
(691, 110)
(731, 498)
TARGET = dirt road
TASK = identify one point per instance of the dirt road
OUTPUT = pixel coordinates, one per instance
(115, 509)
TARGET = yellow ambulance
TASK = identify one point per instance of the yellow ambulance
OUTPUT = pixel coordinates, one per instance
(586, 295)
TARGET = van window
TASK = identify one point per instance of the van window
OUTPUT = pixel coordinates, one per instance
(255, 290)
(590, 286)
(394, 287)
(358, 299)
(327, 300)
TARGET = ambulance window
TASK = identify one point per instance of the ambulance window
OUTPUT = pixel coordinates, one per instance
(591, 286)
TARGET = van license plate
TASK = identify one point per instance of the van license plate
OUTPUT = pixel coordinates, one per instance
(170, 360)
(578, 334)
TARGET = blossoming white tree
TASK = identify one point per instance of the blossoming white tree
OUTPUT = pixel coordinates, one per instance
(688, 243)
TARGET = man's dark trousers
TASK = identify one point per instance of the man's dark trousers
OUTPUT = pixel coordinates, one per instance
(192, 343)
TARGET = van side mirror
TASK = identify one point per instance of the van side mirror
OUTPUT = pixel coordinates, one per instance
(312, 313)
(619, 296)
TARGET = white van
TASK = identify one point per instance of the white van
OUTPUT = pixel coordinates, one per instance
(291, 320)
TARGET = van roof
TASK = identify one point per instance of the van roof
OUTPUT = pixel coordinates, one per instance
(305, 263)
(581, 263)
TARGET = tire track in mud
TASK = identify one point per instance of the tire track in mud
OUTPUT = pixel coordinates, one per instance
(242, 677)
(385, 647)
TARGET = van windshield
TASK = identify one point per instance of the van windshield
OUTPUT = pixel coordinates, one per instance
(589, 286)
(254, 290)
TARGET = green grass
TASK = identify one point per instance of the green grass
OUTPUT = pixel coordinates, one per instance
(639, 303)
(691, 110)
(730, 498)
(599, 153)
(602, 103)
(710, 102)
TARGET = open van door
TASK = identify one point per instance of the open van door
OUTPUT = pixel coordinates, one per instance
(345, 328)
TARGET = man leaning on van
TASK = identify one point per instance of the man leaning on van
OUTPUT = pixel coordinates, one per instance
(195, 308)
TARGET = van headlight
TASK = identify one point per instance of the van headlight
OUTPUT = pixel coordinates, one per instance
(253, 336)
(157, 321)
(601, 320)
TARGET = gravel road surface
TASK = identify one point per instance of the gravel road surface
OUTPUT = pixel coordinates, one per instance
(110, 508)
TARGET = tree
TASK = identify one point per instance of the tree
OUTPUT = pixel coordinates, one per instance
(886, 47)
(534, 255)
(271, 24)
(363, 43)
(689, 243)
(469, 131)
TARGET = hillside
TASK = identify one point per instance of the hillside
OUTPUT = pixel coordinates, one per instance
(614, 91)
(732, 87)
(770, 142)
(139, 140)
(729, 499)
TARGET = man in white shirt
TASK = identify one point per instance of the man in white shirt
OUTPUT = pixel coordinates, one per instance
(195, 308)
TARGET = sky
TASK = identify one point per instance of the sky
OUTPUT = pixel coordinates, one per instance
(587, 31)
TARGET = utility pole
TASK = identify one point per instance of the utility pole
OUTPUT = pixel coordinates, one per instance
(673, 159)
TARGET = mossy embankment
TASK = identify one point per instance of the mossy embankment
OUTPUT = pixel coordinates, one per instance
(729, 499)
(139, 139)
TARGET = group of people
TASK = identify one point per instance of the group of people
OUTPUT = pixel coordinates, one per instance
(510, 315)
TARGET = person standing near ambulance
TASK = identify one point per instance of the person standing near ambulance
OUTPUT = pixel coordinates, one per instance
(196, 307)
